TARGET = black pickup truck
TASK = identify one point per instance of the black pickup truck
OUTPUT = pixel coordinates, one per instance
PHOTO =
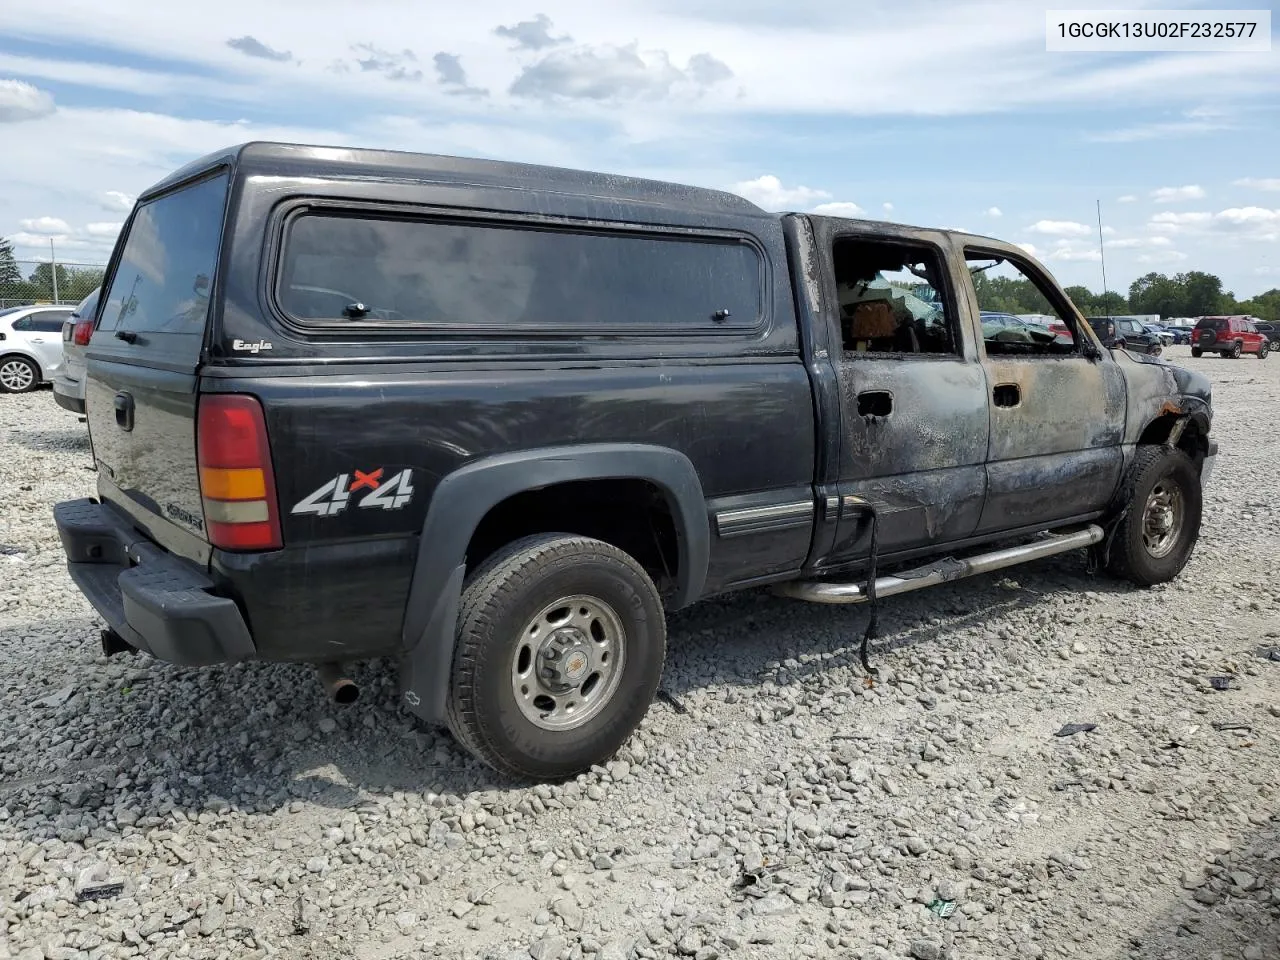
(493, 420)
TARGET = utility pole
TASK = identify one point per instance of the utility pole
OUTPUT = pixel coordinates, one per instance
(53, 269)
(1102, 252)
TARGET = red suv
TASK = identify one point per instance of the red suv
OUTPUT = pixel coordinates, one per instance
(1230, 336)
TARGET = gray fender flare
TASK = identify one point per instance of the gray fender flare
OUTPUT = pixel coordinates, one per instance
(462, 499)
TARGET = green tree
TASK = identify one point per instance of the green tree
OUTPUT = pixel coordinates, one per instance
(1202, 295)
(1156, 293)
(42, 281)
(9, 272)
(1265, 306)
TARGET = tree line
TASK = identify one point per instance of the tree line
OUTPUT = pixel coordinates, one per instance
(1190, 294)
(74, 283)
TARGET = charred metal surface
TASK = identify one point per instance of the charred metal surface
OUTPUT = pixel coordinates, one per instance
(1057, 452)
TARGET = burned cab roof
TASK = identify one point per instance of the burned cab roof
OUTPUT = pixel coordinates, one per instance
(299, 160)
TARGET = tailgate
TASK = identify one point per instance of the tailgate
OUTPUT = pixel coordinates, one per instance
(142, 363)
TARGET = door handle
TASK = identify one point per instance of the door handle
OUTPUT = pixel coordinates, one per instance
(124, 410)
(875, 403)
(1006, 395)
(37, 339)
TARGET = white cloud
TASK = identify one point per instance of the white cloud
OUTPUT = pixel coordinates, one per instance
(116, 202)
(994, 212)
(1247, 223)
(768, 192)
(109, 230)
(1158, 131)
(1070, 253)
(1060, 228)
(1127, 198)
(839, 208)
(1163, 256)
(1255, 183)
(1175, 221)
(1191, 191)
(1029, 247)
(22, 101)
(46, 225)
(888, 207)
(1126, 243)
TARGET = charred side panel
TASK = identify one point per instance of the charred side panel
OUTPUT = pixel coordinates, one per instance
(1056, 428)
(921, 462)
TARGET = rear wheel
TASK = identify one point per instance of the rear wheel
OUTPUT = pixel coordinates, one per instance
(1154, 538)
(561, 641)
(1197, 352)
(18, 375)
(1235, 351)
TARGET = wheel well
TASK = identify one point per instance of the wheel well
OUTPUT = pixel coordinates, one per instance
(633, 515)
(1193, 441)
(22, 356)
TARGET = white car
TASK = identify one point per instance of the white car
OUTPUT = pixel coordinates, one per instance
(30, 346)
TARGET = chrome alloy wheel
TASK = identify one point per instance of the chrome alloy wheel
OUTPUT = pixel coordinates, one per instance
(16, 375)
(1162, 518)
(568, 662)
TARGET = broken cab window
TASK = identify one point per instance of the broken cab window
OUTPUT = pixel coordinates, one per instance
(892, 299)
(1019, 318)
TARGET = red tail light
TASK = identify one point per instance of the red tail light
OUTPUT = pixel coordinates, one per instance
(236, 482)
(81, 332)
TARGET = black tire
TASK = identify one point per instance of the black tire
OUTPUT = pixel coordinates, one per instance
(1236, 350)
(1197, 352)
(1156, 351)
(1129, 555)
(1264, 350)
(498, 602)
(11, 384)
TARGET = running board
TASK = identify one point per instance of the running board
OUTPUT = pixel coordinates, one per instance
(940, 571)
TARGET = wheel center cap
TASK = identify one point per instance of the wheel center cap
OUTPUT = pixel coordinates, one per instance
(576, 665)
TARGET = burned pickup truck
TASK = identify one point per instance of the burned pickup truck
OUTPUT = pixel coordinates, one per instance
(494, 420)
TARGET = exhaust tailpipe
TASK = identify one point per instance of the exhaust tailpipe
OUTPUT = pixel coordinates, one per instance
(339, 687)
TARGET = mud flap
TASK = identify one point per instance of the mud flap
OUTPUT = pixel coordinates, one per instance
(425, 669)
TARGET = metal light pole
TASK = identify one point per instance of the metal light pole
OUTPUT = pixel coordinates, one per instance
(53, 269)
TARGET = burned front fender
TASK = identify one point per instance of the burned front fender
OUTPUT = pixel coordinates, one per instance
(1159, 389)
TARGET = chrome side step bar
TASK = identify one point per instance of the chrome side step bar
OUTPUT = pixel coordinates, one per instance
(939, 571)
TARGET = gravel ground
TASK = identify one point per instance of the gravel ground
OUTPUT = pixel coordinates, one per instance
(773, 807)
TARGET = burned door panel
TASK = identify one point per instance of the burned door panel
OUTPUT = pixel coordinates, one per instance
(1056, 428)
(915, 437)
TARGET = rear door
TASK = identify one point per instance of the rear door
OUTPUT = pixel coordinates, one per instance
(912, 397)
(143, 359)
(45, 338)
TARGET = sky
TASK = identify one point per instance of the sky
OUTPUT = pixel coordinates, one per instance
(918, 111)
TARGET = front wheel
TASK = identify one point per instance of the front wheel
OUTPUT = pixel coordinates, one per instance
(1156, 351)
(1197, 352)
(1155, 535)
(18, 375)
(1263, 351)
(561, 641)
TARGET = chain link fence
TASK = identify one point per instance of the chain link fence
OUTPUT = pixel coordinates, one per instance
(24, 282)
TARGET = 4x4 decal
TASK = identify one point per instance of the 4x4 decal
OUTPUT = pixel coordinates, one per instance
(333, 496)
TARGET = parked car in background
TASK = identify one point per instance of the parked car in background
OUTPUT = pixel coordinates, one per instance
(1229, 336)
(1166, 336)
(1128, 333)
(1271, 331)
(1180, 334)
(30, 346)
(68, 385)
(1008, 327)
